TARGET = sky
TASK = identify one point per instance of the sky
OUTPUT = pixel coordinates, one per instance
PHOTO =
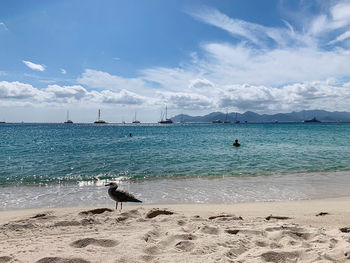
(193, 56)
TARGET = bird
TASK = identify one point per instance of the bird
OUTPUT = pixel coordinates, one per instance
(120, 195)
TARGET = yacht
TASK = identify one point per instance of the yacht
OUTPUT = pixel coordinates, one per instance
(237, 121)
(217, 121)
(99, 121)
(68, 121)
(135, 120)
(226, 118)
(166, 120)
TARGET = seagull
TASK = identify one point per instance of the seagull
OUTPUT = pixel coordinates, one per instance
(120, 195)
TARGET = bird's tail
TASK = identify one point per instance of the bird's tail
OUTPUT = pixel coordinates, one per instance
(133, 199)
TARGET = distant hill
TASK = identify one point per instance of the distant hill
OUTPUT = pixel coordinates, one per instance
(249, 116)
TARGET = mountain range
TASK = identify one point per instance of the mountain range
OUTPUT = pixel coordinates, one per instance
(249, 116)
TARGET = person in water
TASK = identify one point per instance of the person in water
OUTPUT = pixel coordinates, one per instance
(236, 143)
(130, 134)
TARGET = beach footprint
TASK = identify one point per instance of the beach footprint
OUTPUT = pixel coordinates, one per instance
(5, 259)
(62, 260)
(92, 241)
(210, 230)
(280, 257)
(185, 246)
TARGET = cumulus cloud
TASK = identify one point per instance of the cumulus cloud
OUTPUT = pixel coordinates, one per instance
(328, 95)
(186, 101)
(18, 91)
(95, 79)
(201, 84)
(67, 92)
(124, 97)
(55, 94)
(34, 66)
(299, 96)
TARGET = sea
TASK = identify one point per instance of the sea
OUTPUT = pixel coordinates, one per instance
(58, 165)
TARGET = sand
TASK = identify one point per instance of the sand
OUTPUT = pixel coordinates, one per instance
(293, 231)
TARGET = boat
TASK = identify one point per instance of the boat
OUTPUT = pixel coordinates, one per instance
(2, 122)
(226, 119)
(68, 121)
(135, 120)
(99, 121)
(312, 120)
(166, 120)
(237, 121)
(217, 121)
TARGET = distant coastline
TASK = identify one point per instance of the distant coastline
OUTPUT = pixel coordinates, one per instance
(236, 118)
(252, 117)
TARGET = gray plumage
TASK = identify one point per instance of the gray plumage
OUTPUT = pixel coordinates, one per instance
(120, 195)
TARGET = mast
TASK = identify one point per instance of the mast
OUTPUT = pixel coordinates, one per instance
(166, 112)
(67, 115)
(99, 114)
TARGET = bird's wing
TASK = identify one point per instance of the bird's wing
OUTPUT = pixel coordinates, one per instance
(124, 196)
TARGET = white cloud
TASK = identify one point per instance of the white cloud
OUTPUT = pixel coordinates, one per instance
(336, 17)
(257, 34)
(309, 95)
(124, 97)
(3, 26)
(34, 66)
(340, 38)
(76, 94)
(17, 91)
(63, 71)
(328, 95)
(95, 79)
(66, 92)
(187, 101)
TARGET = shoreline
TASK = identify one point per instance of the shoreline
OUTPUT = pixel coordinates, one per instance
(212, 190)
(241, 232)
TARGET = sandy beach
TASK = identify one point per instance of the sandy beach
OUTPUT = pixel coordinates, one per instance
(290, 231)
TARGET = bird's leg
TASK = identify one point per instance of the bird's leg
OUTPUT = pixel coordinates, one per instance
(121, 206)
(116, 205)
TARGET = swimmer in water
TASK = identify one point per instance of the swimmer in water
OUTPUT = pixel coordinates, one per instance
(130, 134)
(236, 143)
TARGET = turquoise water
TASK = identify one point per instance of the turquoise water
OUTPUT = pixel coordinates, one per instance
(33, 154)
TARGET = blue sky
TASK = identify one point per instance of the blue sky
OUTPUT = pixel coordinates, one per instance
(194, 56)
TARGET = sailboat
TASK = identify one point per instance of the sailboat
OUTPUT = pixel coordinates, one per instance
(166, 121)
(236, 121)
(135, 120)
(99, 121)
(68, 121)
(226, 119)
(182, 118)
